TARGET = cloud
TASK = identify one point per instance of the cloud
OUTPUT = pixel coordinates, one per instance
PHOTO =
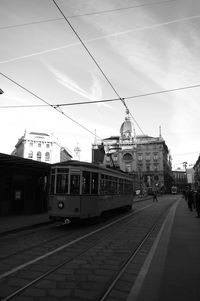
(95, 92)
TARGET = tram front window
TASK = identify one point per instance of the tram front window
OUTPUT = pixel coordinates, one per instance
(62, 183)
(75, 184)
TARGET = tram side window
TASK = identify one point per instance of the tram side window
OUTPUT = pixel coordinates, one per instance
(86, 182)
(75, 184)
(102, 184)
(128, 187)
(62, 183)
(52, 184)
(94, 183)
(121, 186)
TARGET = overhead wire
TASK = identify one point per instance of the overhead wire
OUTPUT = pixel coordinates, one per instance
(47, 103)
(57, 107)
(92, 57)
(107, 100)
(122, 8)
(88, 14)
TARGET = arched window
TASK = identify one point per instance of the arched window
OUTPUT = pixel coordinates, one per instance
(47, 156)
(39, 156)
(127, 157)
(30, 155)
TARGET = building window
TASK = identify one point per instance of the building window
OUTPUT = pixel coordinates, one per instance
(47, 145)
(127, 157)
(155, 157)
(31, 144)
(39, 156)
(107, 158)
(128, 168)
(139, 157)
(39, 144)
(148, 157)
(148, 167)
(115, 158)
(47, 156)
(30, 155)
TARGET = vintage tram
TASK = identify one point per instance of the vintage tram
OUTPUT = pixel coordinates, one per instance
(80, 190)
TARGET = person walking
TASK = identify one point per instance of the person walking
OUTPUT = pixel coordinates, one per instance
(155, 199)
(198, 202)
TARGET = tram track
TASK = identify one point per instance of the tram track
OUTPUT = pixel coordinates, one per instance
(68, 235)
(87, 245)
(71, 239)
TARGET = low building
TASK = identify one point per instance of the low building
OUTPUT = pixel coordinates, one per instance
(23, 185)
(41, 147)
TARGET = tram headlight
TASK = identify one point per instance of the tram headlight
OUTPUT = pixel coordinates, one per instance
(60, 205)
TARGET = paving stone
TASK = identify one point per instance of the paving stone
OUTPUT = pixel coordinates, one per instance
(87, 294)
(60, 292)
(34, 292)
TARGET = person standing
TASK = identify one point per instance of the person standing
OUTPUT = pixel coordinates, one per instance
(198, 202)
(155, 199)
(190, 199)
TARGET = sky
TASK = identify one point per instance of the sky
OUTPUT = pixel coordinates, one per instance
(134, 49)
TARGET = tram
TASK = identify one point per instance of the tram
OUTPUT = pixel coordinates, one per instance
(174, 190)
(80, 190)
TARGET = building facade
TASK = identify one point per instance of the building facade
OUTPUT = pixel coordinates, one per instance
(41, 147)
(180, 179)
(147, 158)
(196, 169)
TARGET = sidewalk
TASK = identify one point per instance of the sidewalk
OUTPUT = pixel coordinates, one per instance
(16, 222)
(172, 268)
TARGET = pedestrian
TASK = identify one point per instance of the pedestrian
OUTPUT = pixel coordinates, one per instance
(198, 202)
(190, 199)
(155, 199)
(185, 194)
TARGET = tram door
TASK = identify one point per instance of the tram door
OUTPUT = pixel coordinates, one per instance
(89, 197)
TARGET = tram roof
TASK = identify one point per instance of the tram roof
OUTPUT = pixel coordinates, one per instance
(77, 163)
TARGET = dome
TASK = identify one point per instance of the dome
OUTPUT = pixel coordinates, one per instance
(126, 127)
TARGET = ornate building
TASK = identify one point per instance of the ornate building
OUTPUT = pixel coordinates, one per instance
(147, 158)
(41, 147)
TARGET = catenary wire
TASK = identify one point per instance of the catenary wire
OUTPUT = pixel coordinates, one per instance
(107, 100)
(88, 14)
(47, 103)
(122, 8)
(92, 57)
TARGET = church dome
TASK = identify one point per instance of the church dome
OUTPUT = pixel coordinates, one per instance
(126, 128)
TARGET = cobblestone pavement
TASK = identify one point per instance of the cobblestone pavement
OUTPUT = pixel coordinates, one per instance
(90, 265)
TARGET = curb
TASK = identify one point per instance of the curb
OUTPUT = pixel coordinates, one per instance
(32, 226)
